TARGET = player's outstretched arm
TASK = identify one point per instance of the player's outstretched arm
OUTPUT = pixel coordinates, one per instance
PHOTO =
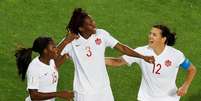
(128, 51)
(35, 95)
(114, 62)
(190, 75)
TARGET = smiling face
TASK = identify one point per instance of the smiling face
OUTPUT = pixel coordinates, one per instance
(88, 26)
(155, 38)
(51, 50)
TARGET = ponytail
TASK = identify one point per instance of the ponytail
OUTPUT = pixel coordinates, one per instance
(77, 20)
(23, 58)
(171, 39)
(165, 32)
(23, 55)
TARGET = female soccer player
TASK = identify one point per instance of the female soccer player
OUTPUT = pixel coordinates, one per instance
(42, 71)
(159, 80)
(91, 81)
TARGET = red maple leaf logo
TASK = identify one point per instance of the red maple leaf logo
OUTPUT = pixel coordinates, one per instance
(168, 63)
(98, 41)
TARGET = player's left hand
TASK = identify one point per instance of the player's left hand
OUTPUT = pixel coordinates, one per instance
(182, 90)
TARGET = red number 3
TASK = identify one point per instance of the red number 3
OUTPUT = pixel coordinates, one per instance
(89, 53)
(157, 70)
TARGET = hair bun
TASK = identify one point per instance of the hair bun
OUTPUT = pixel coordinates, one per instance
(77, 11)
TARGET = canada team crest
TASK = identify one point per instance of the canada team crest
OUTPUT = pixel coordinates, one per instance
(98, 41)
(168, 63)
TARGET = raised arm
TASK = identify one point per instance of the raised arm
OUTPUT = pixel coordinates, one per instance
(128, 51)
(115, 62)
(60, 59)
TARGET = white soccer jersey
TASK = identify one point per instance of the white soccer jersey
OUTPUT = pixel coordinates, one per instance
(158, 81)
(88, 56)
(42, 77)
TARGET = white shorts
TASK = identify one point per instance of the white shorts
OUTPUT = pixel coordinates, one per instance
(105, 96)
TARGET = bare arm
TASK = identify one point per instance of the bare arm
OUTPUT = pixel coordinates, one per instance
(116, 62)
(128, 51)
(35, 95)
(60, 59)
(190, 75)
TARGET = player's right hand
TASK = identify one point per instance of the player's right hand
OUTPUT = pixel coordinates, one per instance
(68, 95)
(182, 90)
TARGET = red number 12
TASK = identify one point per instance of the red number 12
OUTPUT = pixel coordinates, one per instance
(157, 71)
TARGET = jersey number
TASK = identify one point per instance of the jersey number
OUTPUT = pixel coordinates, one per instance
(89, 53)
(156, 70)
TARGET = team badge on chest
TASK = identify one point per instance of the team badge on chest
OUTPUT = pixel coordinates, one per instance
(98, 41)
(168, 63)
